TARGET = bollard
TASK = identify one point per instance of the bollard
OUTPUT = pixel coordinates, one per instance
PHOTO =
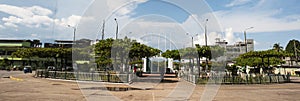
(54, 74)
(108, 77)
(247, 79)
(65, 75)
(92, 76)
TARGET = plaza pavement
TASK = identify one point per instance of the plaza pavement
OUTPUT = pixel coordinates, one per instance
(36, 89)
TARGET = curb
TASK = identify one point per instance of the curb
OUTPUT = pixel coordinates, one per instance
(16, 79)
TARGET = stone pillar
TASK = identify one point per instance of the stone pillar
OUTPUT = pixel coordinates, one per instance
(144, 65)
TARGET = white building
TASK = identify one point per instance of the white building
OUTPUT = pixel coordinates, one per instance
(233, 51)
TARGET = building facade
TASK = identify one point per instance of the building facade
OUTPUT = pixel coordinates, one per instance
(233, 51)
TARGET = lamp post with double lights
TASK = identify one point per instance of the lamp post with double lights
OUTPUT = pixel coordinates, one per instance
(246, 47)
(205, 32)
(74, 32)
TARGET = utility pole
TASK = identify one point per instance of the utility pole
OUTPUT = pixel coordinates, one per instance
(103, 26)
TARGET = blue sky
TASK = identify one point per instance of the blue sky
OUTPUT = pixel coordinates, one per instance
(274, 21)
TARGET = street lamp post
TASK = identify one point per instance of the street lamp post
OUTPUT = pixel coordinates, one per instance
(192, 38)
(205, 32)
(74, 32)
(246, 38)
(117, 29)
(247, 71)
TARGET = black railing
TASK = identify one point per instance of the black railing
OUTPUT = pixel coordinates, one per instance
(87, 76)
(246, 79)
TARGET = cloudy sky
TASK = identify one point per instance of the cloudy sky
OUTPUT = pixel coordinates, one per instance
(162, 24)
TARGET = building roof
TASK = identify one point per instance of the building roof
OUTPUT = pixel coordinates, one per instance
(23, 44)
(12, 40)
(63, 41)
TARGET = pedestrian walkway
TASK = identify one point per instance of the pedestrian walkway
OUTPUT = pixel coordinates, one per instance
(102, 91)
(182, 92)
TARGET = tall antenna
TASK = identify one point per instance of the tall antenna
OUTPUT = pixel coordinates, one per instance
(54, 17)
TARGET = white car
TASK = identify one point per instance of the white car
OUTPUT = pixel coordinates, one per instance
(51, 68)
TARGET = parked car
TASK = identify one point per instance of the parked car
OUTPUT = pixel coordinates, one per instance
(27, 69)
(51, 68)
(17, 67)
(297, 72)
(68, 68)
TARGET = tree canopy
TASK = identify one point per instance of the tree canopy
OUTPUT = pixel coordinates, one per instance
(290, 46)
(172, 54)
(260, 58)
(122, 51)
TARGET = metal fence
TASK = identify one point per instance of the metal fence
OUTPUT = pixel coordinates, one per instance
(246, 79)
(87, 76)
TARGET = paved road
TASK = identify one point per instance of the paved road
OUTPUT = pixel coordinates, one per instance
(9, 73)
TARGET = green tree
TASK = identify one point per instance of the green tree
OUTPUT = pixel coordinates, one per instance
(172, 54)
(125, 51)
(4, 64)
(63, 54)
(292, 48)
(204, 51)
(103, 53)
(277, 47)
(261, 59)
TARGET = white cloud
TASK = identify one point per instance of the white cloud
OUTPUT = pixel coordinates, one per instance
(16, 11)
(72, 20)
(2, 27)
(237, 3)
(121, 5)
(12, 19)
(29, 16)
(34, 35)
(230, 37)
(10, 25)
(213, 27)
(263, 20)
(34, 16)
(37, 10)
(256, 43)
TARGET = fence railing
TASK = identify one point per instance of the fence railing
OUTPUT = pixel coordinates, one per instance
(87, 76)
(246, 79)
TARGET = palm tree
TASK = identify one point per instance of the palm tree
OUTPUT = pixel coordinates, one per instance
(277, 47)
